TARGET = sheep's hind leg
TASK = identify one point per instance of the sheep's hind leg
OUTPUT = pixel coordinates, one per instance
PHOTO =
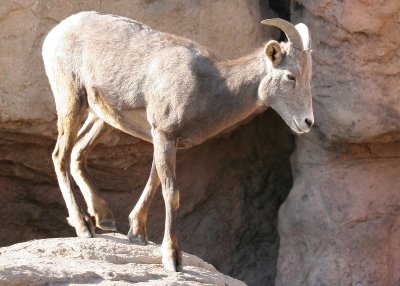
(89, 134)
(70, 114)
(138, 217)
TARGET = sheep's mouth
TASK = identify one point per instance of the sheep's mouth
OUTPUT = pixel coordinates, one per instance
(297, 128)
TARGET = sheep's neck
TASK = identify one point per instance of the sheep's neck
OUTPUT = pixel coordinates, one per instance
(242, 78)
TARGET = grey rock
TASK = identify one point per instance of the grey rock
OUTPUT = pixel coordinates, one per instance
(107, 259)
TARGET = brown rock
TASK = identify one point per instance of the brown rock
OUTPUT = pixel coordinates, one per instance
(340, 223)
(356, 68)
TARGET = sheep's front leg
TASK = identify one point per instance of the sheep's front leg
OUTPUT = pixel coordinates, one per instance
(138, 217)
(165, 160)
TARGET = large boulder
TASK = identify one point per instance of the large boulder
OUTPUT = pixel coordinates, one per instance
(356, 67)
(104, 260)
(340, 222)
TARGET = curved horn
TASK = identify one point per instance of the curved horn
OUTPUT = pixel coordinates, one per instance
(305, 35)
(289, 29)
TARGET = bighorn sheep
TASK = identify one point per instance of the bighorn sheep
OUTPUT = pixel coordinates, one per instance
(163, 89)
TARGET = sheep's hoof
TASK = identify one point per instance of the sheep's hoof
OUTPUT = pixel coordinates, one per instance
(138, 239)
(170, 266)
(172, 259)
(137, 232)
(104, 216)
(85, 234)
(85, 228)
(108, 225)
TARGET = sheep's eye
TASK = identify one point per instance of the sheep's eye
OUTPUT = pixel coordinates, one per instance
(290, 77)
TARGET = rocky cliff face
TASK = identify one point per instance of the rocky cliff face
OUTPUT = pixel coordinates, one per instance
(340, 222)
(104, 260)
(231, 187)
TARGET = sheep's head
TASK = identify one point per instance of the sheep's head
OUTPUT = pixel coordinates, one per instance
(287, 85)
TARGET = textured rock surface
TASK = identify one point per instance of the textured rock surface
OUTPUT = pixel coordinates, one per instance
(105, 260)
(231, 187)
(340, 224)
(356, 67)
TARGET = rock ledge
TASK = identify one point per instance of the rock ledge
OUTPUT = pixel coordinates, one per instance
(107, 259)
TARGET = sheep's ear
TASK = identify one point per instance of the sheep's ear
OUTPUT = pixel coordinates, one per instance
(273, 52)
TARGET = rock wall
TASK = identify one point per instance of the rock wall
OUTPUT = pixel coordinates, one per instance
(340, 223)
(231, 187)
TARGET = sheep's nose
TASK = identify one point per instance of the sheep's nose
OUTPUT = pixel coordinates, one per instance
(309, 122)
